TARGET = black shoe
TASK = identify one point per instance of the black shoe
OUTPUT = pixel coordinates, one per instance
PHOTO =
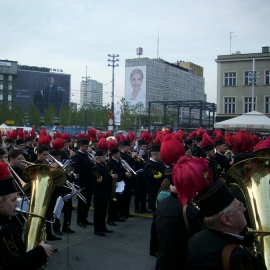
(129, 215)
(153, 254)
(81, 224)
(53, 237)
(111, 223)
(124, 217)
(55, 250)
(146, 211)
(86, 222)
(107, 231)
(68, 230)
(58, 232)
(100, 233)
(119, 220)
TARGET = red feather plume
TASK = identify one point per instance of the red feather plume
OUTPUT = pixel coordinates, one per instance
(242, 142)
(131, 136)
(147, 137)
(58, 143)
(44, 139)
(206, 140)
(103, 144)
(112, 144)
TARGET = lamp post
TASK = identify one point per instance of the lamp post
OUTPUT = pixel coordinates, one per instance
(113, 58)
(85, 96)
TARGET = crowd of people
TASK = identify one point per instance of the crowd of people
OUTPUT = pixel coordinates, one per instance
(198, 221)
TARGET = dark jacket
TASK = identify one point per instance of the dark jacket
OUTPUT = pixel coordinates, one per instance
(13, 255)
(154, 175)
(205, 252)
(212, 164)
(116, 167)
(39, 101)
(102, 181)
(83, 167)
(173, 234)
(52, 96)
(222, 164)
(197, 152)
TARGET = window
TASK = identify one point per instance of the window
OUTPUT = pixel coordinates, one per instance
(9, 97)
(267, 77)
(230, 79)
(267, 105)
(10, 87)
(248, 104)
(1, 96)
(1, 77)
(247, 76)
(1, 86)
(10, 78)
(229, 104)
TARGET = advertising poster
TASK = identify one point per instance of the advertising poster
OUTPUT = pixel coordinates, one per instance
(42, 89)
(135, 85)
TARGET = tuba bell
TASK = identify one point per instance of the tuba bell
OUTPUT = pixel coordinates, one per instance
(44, 179)
(252, 177)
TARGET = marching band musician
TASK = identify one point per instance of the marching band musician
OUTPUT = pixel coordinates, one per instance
(128, 179)
(42, 157)
(102, 185)
(222, 162)
(84, 169)
(154, 175)
(31, 155)
(15, 158)
(115, 167)
(141, 185)
(12, 253)
(197, 149)
(208, 148)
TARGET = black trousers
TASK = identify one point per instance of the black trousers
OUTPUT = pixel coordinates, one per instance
(114, 206)
(67, 209)
(141, 193)
(100, 213)
(83, 208)
(126, 198)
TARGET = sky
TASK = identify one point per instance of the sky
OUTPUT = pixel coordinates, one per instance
(71, 35)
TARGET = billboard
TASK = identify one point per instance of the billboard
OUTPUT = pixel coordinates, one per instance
(135, 85)
(42, 89)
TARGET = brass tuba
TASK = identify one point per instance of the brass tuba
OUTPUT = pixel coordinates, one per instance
(252, 177)
(44, 179)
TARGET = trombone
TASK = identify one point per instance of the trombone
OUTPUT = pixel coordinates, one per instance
(22, 186)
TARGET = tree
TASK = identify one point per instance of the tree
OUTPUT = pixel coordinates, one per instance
(5, 114)
(18, 116)
(34, 116)
(64, 116)
(49, 116)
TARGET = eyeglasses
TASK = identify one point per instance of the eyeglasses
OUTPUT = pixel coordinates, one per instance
(241, 207)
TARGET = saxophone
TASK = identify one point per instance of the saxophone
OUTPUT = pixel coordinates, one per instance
(44, 179)
(251, 177)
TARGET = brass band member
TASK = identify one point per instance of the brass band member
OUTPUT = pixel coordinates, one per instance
(12, 253)
(209, 150)
(141, 184)
(31, 155)
(197, 150)
(102, 185)
(154, 174)
(84, 169)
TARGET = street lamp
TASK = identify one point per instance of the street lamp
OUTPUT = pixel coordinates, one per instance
(85, 97)
(113, 58)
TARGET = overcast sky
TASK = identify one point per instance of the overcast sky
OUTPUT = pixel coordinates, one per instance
(72, 34)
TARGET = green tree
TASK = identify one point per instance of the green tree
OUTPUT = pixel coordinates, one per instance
(64, 117)
(18, 116)
(34, 116)
(5, 114)
(49, 116)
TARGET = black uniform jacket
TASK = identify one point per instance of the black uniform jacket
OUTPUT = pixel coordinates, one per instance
(212, 164)
(173, 234)
(205, 252)
(154, 175)
(102, 181)
(222, 164)
(116, 167)
(197, 152)
(13, 255)
(83, 167)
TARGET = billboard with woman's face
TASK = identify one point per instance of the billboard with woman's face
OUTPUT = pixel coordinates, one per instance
(135, 86)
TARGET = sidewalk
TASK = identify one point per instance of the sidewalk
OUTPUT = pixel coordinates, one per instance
(126, 248)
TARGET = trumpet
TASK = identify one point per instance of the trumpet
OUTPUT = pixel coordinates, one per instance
(137, 158)
(92, 157)
(127, 167)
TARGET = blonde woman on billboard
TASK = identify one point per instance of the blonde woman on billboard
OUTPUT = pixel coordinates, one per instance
(136, 80)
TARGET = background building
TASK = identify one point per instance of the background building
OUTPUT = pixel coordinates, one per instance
(8, 83)
(163, 81)
(234, 92)
(91, 91)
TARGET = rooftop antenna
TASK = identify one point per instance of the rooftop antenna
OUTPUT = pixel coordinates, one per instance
(158, 44)
(231, 42)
